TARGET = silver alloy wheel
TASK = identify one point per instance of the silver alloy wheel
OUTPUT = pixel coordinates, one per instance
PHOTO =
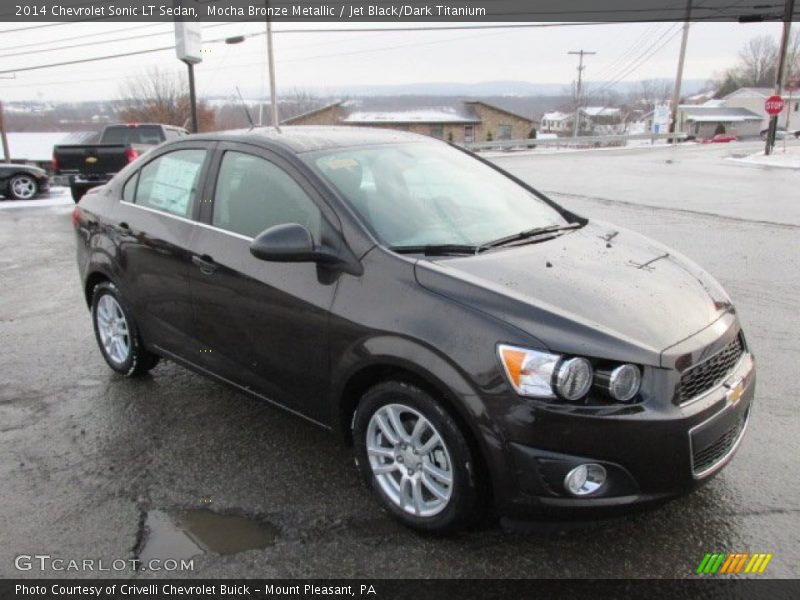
(23, 187)
(410, 460)
(113, 328)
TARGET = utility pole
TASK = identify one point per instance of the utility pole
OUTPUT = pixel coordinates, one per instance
(271, 63)
(6, 151)
(581, 53)
(787, 25)
(676, 91)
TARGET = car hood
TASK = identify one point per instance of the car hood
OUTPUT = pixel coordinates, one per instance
(599, 291)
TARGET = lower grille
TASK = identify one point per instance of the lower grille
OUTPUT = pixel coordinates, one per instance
(705, 459)
(711, 372)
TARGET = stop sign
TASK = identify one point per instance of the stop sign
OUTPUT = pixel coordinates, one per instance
(774, 105)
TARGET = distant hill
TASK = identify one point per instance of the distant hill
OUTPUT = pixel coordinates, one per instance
(486, 88)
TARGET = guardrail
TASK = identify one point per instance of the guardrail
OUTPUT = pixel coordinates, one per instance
(586, 141)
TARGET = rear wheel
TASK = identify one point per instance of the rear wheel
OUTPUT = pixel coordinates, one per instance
(117, 334)
(23, 187)
(411, 452)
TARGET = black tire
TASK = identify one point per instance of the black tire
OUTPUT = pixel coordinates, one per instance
(138, 360)
(464, 507)
(31, 187)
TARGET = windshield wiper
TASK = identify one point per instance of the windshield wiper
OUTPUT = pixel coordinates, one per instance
(530, 233)
(437, 249)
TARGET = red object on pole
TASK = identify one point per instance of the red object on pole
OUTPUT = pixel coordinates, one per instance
(774, 105)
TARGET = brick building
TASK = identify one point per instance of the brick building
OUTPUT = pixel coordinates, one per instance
(459, 122)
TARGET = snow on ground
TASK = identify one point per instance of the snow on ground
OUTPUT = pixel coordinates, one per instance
(58, 196)
(788, 158)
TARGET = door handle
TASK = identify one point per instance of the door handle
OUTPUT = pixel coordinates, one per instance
(206, 264)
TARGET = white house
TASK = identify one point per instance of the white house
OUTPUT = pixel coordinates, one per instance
(556, 122)
(753, 98)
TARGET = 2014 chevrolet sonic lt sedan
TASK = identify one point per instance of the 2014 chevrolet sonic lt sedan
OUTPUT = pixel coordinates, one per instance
(477, 343)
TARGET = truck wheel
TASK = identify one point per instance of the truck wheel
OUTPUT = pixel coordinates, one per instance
(23, 187)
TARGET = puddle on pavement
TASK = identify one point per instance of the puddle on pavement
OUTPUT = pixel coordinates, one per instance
(186, 533)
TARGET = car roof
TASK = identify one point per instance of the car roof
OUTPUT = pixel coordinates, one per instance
(307, 138)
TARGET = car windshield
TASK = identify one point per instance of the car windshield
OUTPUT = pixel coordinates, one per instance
(429, 194)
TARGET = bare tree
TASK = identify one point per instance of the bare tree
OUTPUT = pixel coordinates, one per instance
(758, 60)
(654, 91)
(298, 103)
(158, 96)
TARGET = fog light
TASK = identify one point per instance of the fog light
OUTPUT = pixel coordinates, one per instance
(585, 479)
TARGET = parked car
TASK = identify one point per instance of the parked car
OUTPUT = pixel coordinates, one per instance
(22, 182)
(471, 338)
(92, 165)
(781, 133)
(720, 138)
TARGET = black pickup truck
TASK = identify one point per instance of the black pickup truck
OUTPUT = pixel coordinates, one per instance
(92, 165)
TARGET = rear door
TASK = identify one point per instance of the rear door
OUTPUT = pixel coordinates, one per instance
(153, 223)
(263, 325)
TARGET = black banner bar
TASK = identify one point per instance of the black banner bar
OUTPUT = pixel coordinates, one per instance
(400, 11)
(397, 589)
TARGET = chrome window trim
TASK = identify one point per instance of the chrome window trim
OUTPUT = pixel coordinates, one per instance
(185, 220)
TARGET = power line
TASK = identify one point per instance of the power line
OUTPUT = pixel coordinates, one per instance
(79, 37)
(643, 58)
(258, 34)
(115, 40)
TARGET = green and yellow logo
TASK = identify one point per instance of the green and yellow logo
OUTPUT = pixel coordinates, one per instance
(720, 563)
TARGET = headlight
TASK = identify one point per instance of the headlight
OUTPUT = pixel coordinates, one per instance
(574, 378)
(544, 375)
(530, 372)
(622, 383)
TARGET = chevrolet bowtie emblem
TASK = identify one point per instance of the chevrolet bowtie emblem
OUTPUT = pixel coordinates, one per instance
(735, 390)
(91, 159)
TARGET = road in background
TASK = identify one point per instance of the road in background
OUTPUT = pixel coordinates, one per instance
(86, 456)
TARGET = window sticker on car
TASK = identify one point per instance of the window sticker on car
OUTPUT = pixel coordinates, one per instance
(341, 163)
(172, 188)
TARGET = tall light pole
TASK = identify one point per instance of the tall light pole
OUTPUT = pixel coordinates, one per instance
(188, 47)
(271, 63)
(581, 53)
(787, 25)
(676, 90)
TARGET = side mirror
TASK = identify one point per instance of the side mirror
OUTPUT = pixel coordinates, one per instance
(291, 242)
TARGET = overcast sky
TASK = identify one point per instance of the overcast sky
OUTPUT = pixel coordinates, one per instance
(336, 60)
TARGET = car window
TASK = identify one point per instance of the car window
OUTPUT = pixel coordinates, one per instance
(253, 194)
(168, 183)
(129, 191)
(133, 134)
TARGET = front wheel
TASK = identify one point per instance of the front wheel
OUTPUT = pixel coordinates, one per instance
(23, 187)
(411, 452)
(117, 334)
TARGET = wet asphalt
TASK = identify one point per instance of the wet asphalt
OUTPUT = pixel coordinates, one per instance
(89, 458)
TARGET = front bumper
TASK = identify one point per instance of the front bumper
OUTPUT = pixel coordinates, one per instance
(649, 454)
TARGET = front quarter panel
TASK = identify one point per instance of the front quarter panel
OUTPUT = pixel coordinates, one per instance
(385, 318)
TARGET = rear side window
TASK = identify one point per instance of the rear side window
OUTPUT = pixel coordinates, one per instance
(253, 195)
(133, 134)
(129, 191)
(169, 182)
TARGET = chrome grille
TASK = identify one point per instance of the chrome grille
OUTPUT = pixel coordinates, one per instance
(711, 372)
(704, 459)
